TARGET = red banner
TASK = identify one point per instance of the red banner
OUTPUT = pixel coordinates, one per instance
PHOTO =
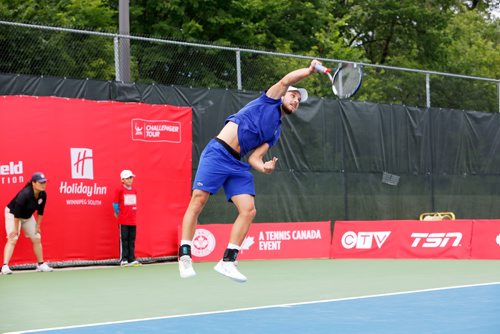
(486, 239)
(402, 239)
(364, 239)
(82, 146)
(265, 241)
(441, 239)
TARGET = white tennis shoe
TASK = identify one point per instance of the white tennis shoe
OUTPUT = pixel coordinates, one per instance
(230, 269)
(135, 263)
(6, 270)
(186, 267)
(44, 268)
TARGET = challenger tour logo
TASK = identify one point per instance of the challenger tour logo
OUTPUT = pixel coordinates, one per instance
(156, 130)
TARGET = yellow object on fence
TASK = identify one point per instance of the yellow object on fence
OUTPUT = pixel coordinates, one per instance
(431, 216)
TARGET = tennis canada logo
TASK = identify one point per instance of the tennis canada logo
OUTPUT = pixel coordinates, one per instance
(203, 242)
(156, 130)
(364, 240)
(247, 243)
(498, 240)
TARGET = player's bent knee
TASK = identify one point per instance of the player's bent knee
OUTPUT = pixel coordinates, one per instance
(199, 200)
(249, 213)
(253, 212)
(12, 241)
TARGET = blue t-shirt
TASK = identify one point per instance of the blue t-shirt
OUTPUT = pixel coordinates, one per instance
(258, 122)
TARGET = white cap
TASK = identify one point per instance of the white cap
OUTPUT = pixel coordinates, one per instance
(125, 174)
(302, 91)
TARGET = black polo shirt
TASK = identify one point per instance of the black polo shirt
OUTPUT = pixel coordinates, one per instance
(25, 204)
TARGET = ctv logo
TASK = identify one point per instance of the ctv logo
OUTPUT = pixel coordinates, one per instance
(364, 240)
(82, 166)
(435, 240)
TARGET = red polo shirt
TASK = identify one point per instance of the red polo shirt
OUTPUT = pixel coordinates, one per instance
(127, 201)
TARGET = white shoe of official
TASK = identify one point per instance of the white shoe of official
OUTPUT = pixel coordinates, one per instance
(186, 267)
(230, 269)
(44, 268)
(6, 270)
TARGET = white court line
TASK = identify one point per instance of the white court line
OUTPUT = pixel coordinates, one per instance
(259, 307)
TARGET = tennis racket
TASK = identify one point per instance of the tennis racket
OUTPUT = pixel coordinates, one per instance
(346, 80)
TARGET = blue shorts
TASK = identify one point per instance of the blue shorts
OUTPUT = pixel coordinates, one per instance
(218, 168)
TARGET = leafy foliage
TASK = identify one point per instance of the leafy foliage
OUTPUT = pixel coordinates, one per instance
(456, 36)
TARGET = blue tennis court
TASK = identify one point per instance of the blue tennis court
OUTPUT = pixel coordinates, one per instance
(459, 309)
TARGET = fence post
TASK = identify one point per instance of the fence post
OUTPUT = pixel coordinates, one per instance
(116, 47)
(238, 70)
(427, 90)
(124, 27)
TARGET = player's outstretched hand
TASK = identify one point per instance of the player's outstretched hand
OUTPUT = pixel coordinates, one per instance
(270, 165)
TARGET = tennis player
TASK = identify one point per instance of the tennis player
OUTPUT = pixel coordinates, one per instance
(253, 130)
(19, 214)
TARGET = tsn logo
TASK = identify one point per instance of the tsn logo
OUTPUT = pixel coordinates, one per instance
(435, 240)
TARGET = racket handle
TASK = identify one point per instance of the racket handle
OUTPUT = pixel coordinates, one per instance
(321, 68)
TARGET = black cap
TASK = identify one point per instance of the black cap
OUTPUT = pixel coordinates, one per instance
(38, 177)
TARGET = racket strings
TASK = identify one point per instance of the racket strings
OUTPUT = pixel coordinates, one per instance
(347, 81)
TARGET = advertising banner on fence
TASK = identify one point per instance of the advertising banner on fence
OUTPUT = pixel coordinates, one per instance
(82, 146)
(402, 239)
(486, 239)
(364, 239)
(265, 241)
(435, 240)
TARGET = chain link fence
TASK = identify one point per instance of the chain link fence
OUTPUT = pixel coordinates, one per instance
(60, 52)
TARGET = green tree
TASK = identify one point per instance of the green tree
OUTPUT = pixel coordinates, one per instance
(472, 48)
(32, 51)
(88, 14)
(416, 34)
(459, 36)
(292, 26)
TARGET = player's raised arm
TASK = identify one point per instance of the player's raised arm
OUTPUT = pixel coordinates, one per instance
(279, 89)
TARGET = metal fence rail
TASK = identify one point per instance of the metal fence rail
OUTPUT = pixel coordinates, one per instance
(55, 51)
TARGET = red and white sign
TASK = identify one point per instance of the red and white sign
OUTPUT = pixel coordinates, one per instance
(438, 239)
(362, 239)
(156, 131)
(486, 239)
(265, 241)
(402, 239)
(82, 146)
